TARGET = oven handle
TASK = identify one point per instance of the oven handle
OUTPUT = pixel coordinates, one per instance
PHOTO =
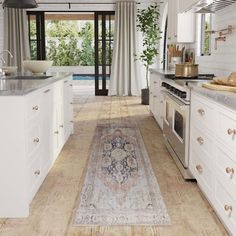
(173, 98)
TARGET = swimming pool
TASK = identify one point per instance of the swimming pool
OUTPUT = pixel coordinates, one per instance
(87, 77)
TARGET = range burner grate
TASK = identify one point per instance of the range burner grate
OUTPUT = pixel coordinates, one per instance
(199, 77)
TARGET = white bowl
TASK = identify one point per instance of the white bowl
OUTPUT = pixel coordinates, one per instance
(37, 67)
(9, 69)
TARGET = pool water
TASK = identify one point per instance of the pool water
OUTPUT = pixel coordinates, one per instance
(87, 77)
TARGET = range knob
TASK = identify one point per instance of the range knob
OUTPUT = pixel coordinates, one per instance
(183, 95)
(163, 84)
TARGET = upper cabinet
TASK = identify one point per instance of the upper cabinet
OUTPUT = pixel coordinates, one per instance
(173, 9)
(185, 5)
(181, 28)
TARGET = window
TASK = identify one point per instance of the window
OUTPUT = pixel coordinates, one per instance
(205, 37)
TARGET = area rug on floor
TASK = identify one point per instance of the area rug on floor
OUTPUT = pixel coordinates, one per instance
(120, 187)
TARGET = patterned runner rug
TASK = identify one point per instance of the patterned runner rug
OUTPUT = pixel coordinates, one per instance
(120, 187)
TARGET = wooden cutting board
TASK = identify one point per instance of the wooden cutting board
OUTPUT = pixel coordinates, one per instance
(219, 87)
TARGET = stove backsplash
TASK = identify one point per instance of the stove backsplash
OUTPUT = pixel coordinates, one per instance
(222, 61)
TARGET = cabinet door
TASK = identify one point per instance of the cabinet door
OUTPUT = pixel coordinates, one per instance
(47, 121)
(68, 107)
(173, 9)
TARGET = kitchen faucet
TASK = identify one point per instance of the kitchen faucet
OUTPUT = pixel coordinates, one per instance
(7, 52)
(2, 73)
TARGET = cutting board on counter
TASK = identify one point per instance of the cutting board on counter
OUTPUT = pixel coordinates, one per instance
(219, 87)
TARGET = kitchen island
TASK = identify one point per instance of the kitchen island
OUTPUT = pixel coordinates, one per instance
(35, 122)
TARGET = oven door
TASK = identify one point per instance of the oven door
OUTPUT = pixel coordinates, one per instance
(176, 126)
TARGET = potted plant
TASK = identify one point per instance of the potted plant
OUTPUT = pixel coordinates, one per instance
(147, 24)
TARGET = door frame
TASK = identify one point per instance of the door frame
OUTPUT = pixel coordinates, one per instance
(103, 91)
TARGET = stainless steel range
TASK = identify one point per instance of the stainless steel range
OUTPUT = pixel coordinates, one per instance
(177, 98)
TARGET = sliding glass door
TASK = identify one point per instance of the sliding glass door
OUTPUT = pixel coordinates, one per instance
(104, 37)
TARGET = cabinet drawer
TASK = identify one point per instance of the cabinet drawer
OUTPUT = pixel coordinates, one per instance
(33, 105)
(226, 170)
(202, 142)
(202, 172)
(202, 113)
(34, 138)
(225, 206)
(227, 128)
(34, 175)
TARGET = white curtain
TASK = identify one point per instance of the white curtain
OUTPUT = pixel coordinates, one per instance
(124, 74)
(16, 38)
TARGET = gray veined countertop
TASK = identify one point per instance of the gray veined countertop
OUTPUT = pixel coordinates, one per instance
(17, 87)
(224, 98)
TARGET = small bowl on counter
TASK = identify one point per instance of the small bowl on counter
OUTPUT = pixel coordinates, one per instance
(9, 70)
(37, 66)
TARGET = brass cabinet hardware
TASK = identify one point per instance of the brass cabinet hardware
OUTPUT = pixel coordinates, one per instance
(200, 140)
(36, 140)
(56, 132)
(201, 112)
(35, 108)
(229, 170)
(231, 131)
(228, 208)
(47, 91)
(65, 81)
(37, 172)
(199, 168)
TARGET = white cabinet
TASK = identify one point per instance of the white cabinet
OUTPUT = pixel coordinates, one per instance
(156, 98)
(185, 5)
(181, 27)
(173, 10)
(213, 155)
(27, 143)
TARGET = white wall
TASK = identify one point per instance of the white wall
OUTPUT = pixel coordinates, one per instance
(223, 60)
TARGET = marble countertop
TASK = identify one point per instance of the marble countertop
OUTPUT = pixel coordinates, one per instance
(16, 87)
(162, 72)
(224, 98)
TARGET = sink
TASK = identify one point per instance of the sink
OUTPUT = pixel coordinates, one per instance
(29, 77)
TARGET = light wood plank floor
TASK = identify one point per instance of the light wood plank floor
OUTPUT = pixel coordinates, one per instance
(52, 209)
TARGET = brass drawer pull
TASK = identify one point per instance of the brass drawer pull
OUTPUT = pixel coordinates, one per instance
(35, 108)
(65, 81)
(201, 112)
(229, 170)
(228, 208)
(37, 172)
(56, 132)
(154, 96)
(155, 82)
(47, 91)
(61, 126)
(231, 132)
(200, 140)
(71, 121)
(71, 85)
(36, 140)
(199, 168)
